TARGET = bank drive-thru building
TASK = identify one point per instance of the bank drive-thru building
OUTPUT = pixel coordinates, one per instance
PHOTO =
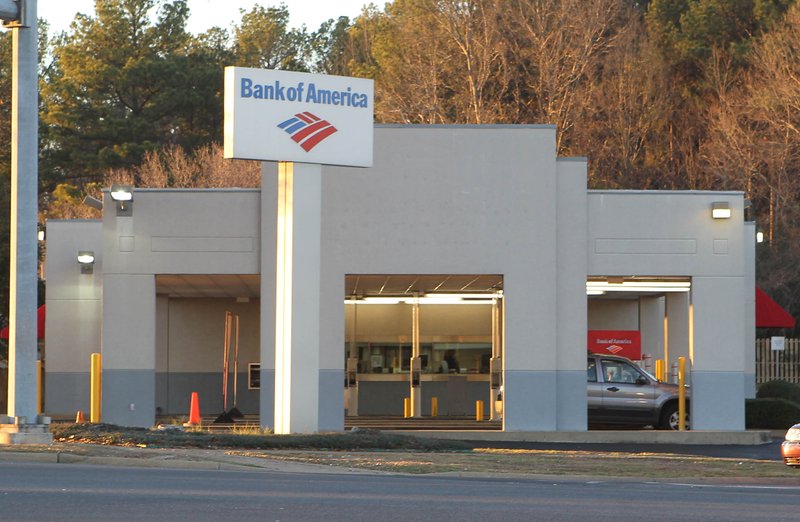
(444, 210)
(466, 246)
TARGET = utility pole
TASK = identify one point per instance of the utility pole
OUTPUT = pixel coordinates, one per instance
(23, 424)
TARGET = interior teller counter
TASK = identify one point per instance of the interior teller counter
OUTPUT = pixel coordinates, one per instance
(383, 393)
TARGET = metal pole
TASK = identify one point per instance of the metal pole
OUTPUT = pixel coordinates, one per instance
(225, 351)
(415, 365)
(682, 393)
(235, 358)
(24, 202)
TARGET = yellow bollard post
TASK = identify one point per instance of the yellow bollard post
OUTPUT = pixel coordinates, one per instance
(681, 393)
(39, 384)
(660, 369)
(94, 415)
(407, 408)
(434, 406)
(479, 411)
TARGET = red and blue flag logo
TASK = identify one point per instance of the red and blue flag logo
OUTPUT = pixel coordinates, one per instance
(307, 130)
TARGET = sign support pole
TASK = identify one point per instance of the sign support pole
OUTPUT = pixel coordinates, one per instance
(314, 120)
(297, 291)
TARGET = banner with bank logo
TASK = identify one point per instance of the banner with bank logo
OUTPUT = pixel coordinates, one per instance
(627, 343)
(291, 116)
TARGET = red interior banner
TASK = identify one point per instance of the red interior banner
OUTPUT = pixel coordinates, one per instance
(627, 343)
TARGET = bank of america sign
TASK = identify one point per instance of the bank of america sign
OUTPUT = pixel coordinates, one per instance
(291, 116)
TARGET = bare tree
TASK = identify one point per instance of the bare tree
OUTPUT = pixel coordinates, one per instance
(471, 26)
(558, 47)
(175, 168)
(754, 146)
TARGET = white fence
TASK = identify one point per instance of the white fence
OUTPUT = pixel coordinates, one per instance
(784, 365)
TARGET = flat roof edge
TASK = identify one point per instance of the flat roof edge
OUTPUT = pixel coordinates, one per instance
(192, 189)
(464, 126)
(83, 220)
(680, 192)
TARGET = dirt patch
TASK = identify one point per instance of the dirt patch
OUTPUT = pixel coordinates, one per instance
(542, 462)
(373, 450)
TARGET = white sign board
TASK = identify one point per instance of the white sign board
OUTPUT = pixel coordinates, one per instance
(291, 116)
(777, 343)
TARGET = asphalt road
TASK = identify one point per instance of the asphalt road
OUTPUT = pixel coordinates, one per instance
(46, 492)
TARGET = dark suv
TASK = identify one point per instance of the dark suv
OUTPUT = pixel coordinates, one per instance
(620, 393)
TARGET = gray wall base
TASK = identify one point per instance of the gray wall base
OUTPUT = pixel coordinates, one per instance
(331, 400)
(129, 397)
(267, 401)
(529, 400)
(750, 385)
(571, 401)
(717, 401)
(66, 393)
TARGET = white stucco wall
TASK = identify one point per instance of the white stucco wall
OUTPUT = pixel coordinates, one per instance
(74, 314)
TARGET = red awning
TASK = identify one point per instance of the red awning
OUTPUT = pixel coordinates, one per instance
(39, 328)
(770, 314)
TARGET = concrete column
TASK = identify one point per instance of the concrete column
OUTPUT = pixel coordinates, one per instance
(571, 304)
(529, 360)
(269, 241)
(332, 333)
(297, 306)
(677, 338)
(718, 334)
(129, 349)
(545, 309)
(651, 326)
(749, 245)
(351, 369)
(162, 359)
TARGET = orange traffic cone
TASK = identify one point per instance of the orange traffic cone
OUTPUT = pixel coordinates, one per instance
(79, 418)
(194, 411)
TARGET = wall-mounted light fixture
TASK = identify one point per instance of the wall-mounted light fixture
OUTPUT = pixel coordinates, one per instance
(123, 195)
(86, 260)
(759, 237)
(720, 210)
(40, 234)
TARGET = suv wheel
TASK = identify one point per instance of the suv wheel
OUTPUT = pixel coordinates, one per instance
(670, 419)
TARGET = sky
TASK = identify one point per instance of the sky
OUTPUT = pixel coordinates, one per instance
(208, 13)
